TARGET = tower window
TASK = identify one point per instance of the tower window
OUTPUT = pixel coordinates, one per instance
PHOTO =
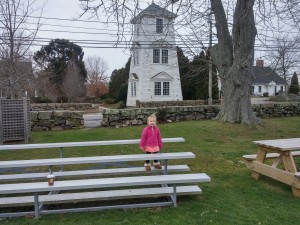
(159, 25)
(162, 88)
(133, 89)
(164, 56)
(156, 56)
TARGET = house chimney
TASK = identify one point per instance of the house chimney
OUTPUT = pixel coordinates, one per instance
(259, 63)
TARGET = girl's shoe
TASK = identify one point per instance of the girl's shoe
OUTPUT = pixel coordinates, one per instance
(157, 165)
(147, 166)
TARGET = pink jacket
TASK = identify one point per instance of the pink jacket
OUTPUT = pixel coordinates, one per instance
(151, 137)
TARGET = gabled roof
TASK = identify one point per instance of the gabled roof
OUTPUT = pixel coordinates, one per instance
(154, 10)
(162, 76)
(133, 76)
(265, 75)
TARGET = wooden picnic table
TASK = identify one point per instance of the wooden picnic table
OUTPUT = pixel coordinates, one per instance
(282, 151)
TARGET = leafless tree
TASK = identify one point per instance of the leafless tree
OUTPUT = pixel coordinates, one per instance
(233, 50)
(15, 42)
(73, 83)
(284, 56)
(96, 70)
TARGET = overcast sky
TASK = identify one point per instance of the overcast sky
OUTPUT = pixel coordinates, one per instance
(80, 32)
(95, 37)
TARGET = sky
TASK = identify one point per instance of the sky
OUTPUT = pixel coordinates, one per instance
(58, 22)
(95, 37)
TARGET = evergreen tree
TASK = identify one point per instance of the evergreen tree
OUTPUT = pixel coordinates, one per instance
(194, 77)
(118, 79)
(57, 55)
(183, 64)
(294, 88)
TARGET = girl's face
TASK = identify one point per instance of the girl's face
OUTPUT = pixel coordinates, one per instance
(151, 121)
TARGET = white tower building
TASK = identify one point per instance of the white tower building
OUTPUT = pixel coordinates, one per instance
(154, 72)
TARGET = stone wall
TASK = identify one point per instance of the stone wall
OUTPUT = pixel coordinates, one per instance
(127, 117)
(62, 120)
(62, 106)
(56, 120)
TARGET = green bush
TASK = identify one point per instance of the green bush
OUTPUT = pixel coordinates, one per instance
(161, 114)
(120, 105)
(266, 94)
(62, 99)
(41, 100)
(109, 100)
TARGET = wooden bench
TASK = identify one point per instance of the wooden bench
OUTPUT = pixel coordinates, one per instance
(269, 155)
(282, 168)
(33, 193)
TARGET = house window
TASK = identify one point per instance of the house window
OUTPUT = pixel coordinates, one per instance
(161, 88)
(159, 25)
(157, 88)
(275, 89)
(164, 56)
(252, 90)
(259, 89)
(156, 56)
(281, 88)
(166, 88)
(133, 89)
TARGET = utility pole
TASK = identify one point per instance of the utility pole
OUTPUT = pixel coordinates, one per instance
(210, 61)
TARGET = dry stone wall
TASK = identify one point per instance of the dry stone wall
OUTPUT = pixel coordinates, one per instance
(127, 117)
(62, 106)
(61, 120)
(56, 120)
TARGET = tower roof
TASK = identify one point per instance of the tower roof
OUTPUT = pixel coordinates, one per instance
(154, 10)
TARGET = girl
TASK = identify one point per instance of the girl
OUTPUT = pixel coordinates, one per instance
(151, 141)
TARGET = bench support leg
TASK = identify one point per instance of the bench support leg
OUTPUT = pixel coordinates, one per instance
(36, 206)
(165, 167)
(174, 196)
(50, 170)
(61, 155)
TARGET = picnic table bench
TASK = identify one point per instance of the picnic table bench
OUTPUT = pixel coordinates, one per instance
(280, 152)
(124, 183)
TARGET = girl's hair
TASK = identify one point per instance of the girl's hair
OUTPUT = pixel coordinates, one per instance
(151, 116)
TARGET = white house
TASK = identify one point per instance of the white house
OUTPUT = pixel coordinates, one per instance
(154, 72)
(266, 80)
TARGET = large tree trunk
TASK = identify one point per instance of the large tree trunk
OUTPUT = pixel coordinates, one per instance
(233, 57)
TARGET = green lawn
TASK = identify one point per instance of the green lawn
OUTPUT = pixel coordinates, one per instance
(232, 197)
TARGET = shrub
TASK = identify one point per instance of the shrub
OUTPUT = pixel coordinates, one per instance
(109, 100)
(120, 105)
(62, 99)
(41, 100)
(162, 114)
(266, 94)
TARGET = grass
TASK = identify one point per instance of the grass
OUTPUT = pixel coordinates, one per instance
(233, 196)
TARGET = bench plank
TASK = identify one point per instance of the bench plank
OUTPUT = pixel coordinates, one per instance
(269, 155)
(92, 172)
(95, 159)
(81, 144)
(100, 195)
(103, 183)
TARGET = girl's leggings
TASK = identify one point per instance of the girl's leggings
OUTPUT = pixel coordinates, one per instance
(148, 161)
